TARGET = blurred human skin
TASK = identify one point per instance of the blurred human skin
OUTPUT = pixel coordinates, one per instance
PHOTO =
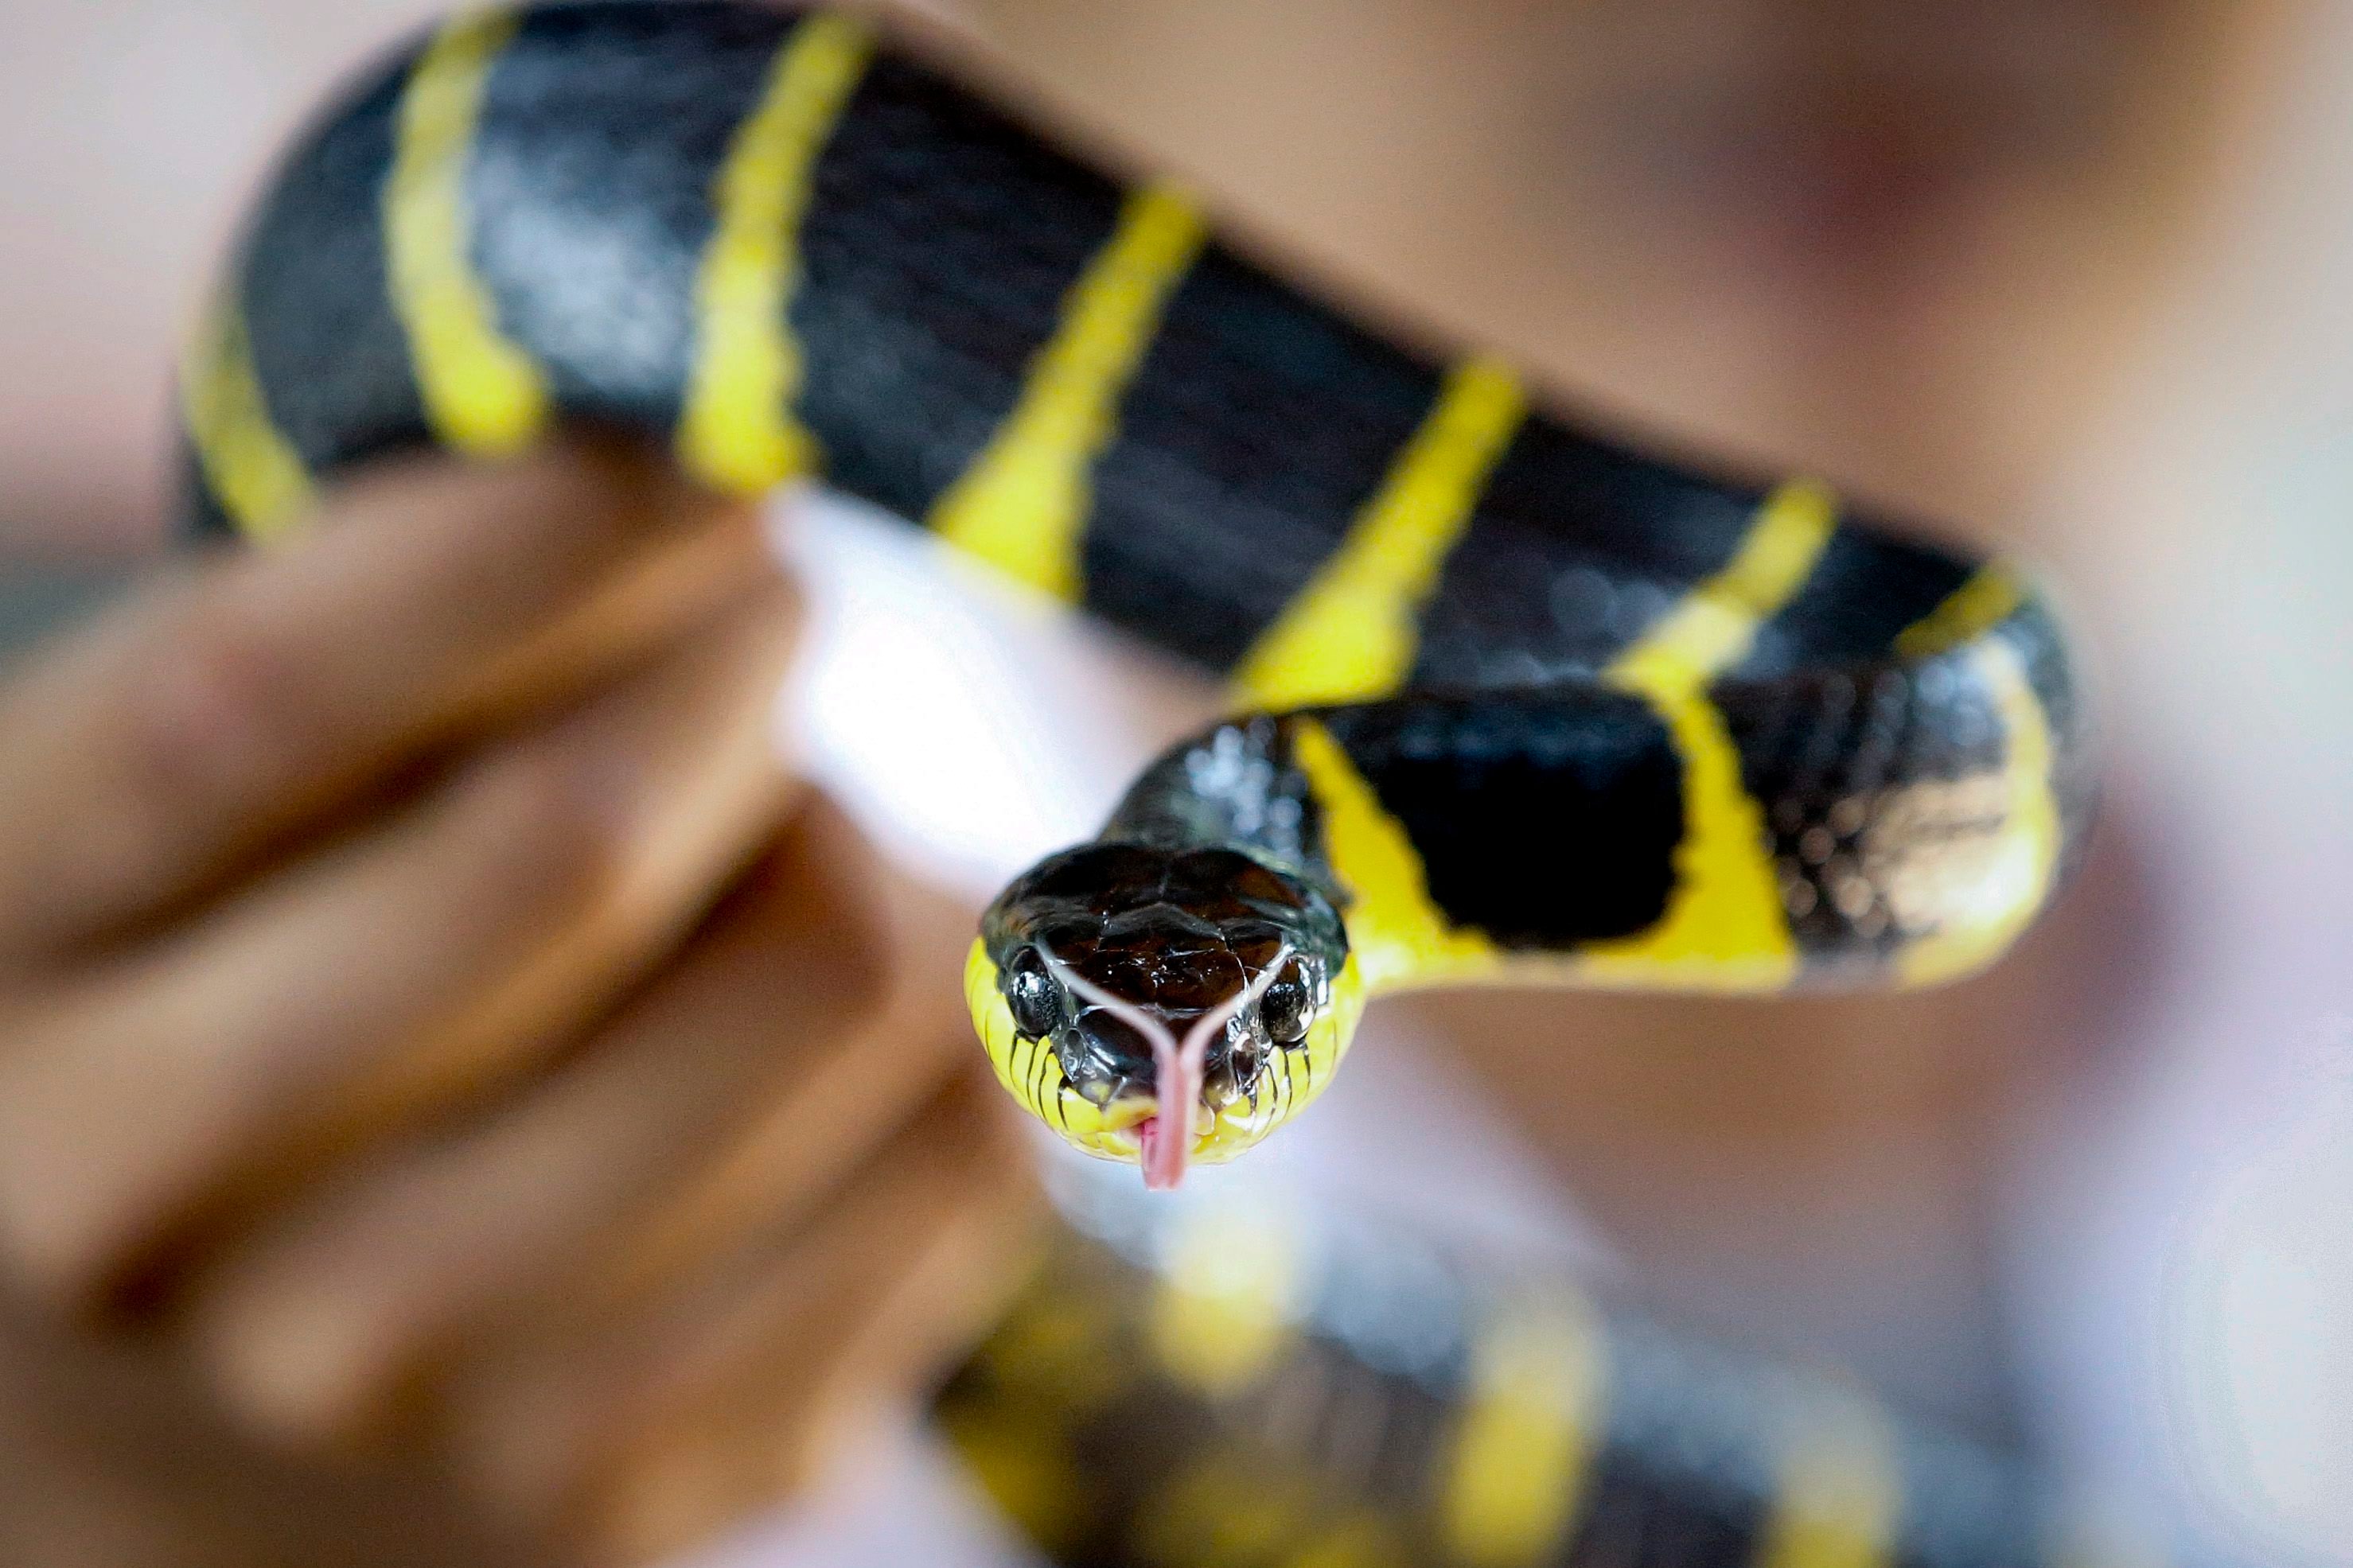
(451, 1067)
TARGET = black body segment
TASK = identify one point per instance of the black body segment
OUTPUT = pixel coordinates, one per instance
(939, 241)
(2033, 630)
(328, 351)
(1874, 771)
(1646, 1512)
(1340, 1434)
(1859, 765)
(1866, 588)
(1576, 548)
(1253, 433)
(590, 182)
(1579, 809)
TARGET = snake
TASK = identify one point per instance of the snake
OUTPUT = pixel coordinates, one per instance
(1234, 1378)
(1512, 700)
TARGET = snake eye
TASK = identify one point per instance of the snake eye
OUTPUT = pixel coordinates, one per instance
(1030, 993)
(1289, 1005)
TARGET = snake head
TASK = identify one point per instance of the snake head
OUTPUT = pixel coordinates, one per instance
(1163, 1005)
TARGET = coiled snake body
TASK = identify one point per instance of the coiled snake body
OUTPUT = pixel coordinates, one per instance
(1512, 700)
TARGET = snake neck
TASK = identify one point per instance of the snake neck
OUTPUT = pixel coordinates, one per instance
(1236, 786)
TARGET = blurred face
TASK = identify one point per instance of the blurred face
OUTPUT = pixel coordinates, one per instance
(1894, 239)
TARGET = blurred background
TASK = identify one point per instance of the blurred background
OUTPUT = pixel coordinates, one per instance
(2071, 272)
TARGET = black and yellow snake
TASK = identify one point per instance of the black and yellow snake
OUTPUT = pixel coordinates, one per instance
(1511, 701)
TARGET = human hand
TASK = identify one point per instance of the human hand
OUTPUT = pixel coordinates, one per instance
(443, 1054)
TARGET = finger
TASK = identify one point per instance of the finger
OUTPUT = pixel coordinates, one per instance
(531, 1420)
(864, 1089)
(790, 1022)
(808, 1388)
(150, 756)
(391, 971)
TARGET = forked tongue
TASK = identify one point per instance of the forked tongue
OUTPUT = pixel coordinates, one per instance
(1165, 1142)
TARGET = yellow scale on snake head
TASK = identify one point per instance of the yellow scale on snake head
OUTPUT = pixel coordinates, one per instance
(1513, 701)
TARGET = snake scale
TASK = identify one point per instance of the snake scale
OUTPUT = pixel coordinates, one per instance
(1512, 702)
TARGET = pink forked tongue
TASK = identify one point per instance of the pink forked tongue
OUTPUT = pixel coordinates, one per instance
(1165, 1142)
